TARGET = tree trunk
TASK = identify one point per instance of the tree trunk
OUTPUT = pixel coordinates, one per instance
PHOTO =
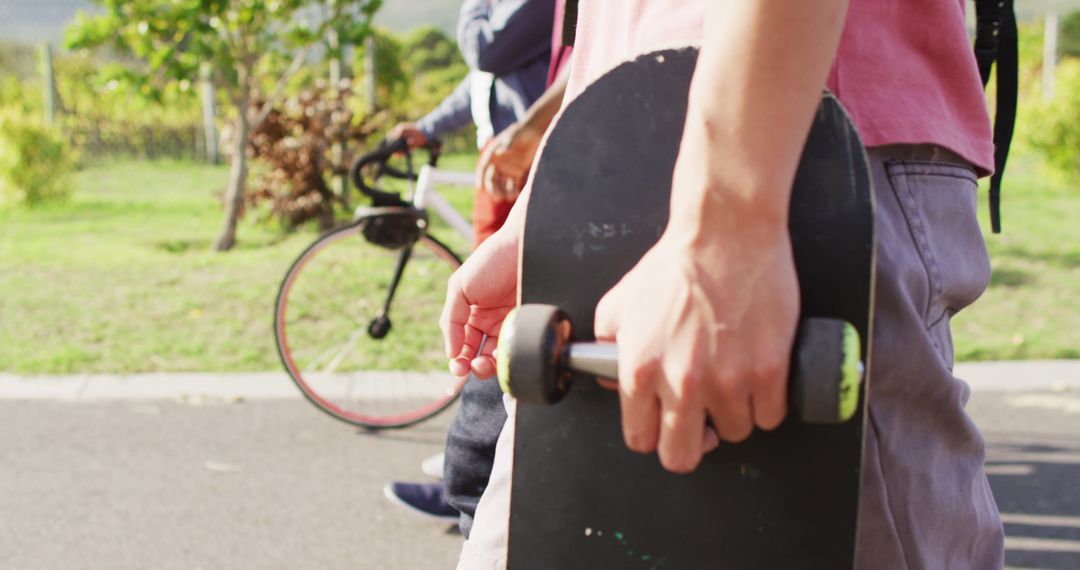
(234, 194)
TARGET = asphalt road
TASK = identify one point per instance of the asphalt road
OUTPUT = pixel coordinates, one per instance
(172, 485)
(1033, 461)
(273, 484)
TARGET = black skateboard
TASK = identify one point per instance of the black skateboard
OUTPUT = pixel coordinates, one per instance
(782, 499)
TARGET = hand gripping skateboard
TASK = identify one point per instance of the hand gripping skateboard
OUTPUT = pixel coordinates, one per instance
(782, 499)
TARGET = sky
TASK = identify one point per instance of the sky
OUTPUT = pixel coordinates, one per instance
(34, 21)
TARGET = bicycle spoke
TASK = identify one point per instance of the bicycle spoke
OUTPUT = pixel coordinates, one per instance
(339, 352)
(347, 347)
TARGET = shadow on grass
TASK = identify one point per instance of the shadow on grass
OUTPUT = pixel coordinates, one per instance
(1011, 278)
(184, 246)
(1061, 259)
(1034, 483)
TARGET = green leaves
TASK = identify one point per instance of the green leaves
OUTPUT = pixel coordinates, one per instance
(1069, 37)
(169, 39)
(34, 161)
(1055, 129)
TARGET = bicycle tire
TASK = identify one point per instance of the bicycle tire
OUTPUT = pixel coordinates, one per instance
(384, 388)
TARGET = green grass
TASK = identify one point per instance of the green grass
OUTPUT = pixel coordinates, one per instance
(1032, 307)
(121, 279)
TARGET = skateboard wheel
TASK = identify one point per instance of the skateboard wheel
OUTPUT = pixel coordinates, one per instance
(530, 349)
(826, 371)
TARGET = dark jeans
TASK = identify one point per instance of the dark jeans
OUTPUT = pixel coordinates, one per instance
(470, 446)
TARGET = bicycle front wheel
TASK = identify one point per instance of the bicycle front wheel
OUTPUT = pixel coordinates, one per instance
(356, 353)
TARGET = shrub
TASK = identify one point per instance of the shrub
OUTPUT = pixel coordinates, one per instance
(34, 161)
(293, 148)
(1069, 37)
(1055, 128)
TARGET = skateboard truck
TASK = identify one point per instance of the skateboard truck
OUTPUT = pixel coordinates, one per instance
(537, 360)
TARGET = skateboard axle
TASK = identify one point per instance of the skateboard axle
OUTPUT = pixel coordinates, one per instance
(537, 362)
(597, 358)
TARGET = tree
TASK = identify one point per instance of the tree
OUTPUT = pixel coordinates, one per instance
(392, 79)
(1054, 128)
(1069, 37)
(245, 42)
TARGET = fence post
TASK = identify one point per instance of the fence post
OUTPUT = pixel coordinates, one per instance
(48, 81)
(1050, 41)
(209, 112)
(370, 73)
(197, 150)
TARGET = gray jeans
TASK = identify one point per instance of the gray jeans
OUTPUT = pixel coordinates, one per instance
(926, 502)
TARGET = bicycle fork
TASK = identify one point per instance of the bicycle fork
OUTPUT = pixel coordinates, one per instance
(380, 325)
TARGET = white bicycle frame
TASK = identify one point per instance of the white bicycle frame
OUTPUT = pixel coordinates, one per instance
(426, 195)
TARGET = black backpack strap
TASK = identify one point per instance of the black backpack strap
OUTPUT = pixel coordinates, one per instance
(569, 24)
(996, 42)
(987, 27)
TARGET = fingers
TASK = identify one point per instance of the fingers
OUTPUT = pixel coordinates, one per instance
(471, 338)
(637, 382)
(475, 355)
(731, 414)
(455, 315)
(501, 184)
(709, 440)
(416, 139)
(483, 364)
(472, 341)
(673, 426)
(500, 171)
(680, 448)
(769, 399)
(409, 132)
(608, 384)
(483, 163)
(491, 181)
(606, 321)
(640, 406)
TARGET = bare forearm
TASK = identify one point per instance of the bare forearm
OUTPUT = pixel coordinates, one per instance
(541, 113)
(759, 77)
(537, 120)
(504, 165)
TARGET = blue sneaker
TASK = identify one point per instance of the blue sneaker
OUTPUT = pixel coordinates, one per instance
(424, 499)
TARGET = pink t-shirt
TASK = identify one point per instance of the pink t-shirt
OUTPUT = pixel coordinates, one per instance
(905, 69)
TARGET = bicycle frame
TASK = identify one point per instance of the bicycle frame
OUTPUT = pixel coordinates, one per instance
(426, 194)
(422, 196)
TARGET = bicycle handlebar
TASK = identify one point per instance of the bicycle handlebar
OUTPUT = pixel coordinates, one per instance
(380, 157)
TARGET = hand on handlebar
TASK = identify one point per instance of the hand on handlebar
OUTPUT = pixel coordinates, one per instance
(505, 161)
(408, 132)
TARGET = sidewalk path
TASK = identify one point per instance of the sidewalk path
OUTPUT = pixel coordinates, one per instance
(208, 471)
(1019, 376)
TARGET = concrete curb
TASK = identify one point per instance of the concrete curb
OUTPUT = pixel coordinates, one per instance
(152, 386)
(1019, 376)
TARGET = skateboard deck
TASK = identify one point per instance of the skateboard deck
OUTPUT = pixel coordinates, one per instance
(782, 499)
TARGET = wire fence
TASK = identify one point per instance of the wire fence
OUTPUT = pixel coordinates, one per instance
(37, 76)
(99, 141)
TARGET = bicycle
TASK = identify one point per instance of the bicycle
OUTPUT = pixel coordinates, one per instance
(319, 331)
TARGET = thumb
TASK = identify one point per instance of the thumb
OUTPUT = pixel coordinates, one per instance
(608, 312)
